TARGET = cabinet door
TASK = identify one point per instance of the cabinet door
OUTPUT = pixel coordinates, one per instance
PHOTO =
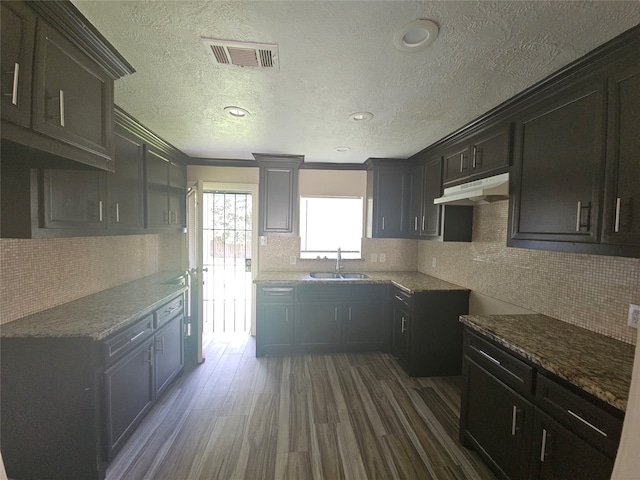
(275, 329)
(74, 199)
(490, 151)
(169, 354)
(390, 203)
(416, 215)
(622, 194)
(496, 419)
(456, 163)
(558, 454)
(279, 199)
(401, 323)
(319, 326)
(559, 157)
(18, 34)
(129, 394)
(364, 324)
(177, 195)
(432, 189)
(73, 96)
(157, 190)
(125, 185)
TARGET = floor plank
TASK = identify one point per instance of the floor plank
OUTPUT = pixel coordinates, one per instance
(307, 417)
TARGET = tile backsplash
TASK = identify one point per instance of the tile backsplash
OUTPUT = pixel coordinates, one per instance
(43, 273)
(590, 291)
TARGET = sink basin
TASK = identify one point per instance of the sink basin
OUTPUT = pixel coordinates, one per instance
(353, 275)
(324, 275)
(338, 276)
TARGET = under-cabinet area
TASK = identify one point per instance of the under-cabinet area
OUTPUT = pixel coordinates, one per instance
(535, 409)
(77, 379)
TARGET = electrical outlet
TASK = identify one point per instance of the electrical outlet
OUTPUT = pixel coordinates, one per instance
(382, 257)
(374, 258)
(263, 240)
(292, 260)
(634, 315)
(434, 263)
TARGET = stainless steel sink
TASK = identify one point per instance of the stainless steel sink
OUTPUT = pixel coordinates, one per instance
(354, 275)
(338, 276)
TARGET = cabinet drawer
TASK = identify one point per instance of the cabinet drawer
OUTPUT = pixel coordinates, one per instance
(402, 299)
(504, 366)
(587, 420)
(276, 293)
(168, 311)
(124, 341)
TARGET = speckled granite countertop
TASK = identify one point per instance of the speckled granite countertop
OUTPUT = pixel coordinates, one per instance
(411, 282)
(99, 315)
(597, 364)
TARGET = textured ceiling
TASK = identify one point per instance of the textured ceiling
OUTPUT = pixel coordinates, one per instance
(336, 58)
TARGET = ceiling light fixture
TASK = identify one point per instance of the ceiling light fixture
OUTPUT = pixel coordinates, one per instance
(361, 116)
(236, 112)
(416, 35)
(342, 149)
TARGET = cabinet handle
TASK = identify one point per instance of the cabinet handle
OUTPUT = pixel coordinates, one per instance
(578, 216)
(461, 162)
(117, 213)
(14, 91)
(616, 227)
(161, 344)
(136, 336)
(489, 357)
(150, 352)
(286, 314)
(415, 224)
(61, 100)
(475, 150)
(514, 420)
(403, 328)
(335, 313)
(349, 313)
(575, 415)
(382, 223)
(170, 310)
(544, 445)
(100, 210)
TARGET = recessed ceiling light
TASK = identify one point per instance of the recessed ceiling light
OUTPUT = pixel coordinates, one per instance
(416, 35)
(361, 116)
(342, 149)
(236, 111)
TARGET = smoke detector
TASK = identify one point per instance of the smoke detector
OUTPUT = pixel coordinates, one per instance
(242, 54)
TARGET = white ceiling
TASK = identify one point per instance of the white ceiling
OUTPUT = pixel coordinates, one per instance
(337, 58)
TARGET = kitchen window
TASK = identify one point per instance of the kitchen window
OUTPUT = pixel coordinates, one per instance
(329, 223)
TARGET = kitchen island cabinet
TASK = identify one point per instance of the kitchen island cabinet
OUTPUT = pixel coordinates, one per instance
(75, 389)
(533, 408)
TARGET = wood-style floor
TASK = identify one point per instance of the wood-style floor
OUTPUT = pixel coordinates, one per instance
(332, 417)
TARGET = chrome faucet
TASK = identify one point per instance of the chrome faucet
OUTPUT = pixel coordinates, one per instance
(338, 260)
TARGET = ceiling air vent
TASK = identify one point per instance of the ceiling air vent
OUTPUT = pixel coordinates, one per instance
(242, 54)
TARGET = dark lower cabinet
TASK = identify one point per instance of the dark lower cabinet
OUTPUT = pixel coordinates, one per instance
(275, 320)
(319, 326)
(559, 454)
(528, 425)
(364, 325)
(498, 422)
(69, 404)
(129, 394)
(426, 333)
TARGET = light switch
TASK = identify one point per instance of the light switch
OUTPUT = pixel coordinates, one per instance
(374, 258)
(382, 257)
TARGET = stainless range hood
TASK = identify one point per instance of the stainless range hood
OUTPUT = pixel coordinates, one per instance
(479, 192)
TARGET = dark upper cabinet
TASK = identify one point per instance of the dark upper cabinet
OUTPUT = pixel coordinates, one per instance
(483, 153)
(73, 98)
(559, 157)
(426, 185)
(278, 205)
(18, 33)
(388, 190)
(73, 199)
(57, 85)
(166, 193)
(621, 213)
(126, 185)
